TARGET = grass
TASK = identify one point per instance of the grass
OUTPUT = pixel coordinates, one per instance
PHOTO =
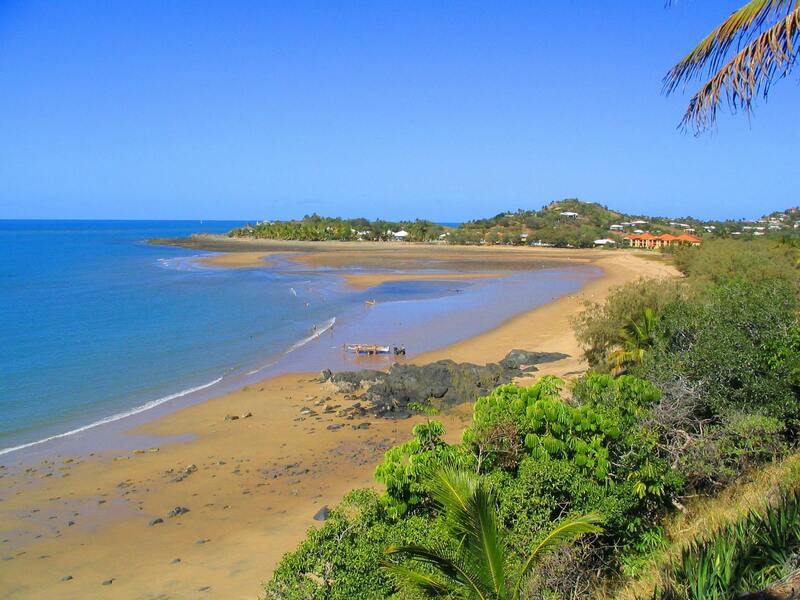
(706, 515)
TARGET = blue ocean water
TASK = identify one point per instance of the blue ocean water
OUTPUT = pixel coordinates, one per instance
(96, 324)
(94, 321)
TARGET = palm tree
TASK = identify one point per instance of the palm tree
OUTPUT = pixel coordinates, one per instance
(480, 568)
(763, 37)
(638, 338)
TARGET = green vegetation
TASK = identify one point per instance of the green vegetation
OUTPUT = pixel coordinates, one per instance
(753, 553)
(313, 228)
(481, 566)
(566, 223)
(710, 396)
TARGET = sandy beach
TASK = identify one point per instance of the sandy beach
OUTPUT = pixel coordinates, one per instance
(252, 484)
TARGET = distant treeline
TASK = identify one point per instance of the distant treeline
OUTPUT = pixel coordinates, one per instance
(314, 228)
(566, 223)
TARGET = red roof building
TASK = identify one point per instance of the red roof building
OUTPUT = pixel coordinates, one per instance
(648, 240)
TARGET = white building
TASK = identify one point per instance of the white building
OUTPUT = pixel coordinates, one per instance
(400, 236)
(571, 215)
(604, 242)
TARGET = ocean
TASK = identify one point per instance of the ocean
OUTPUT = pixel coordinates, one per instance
(96, 324)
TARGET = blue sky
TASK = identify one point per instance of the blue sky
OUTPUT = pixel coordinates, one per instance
(441, 110)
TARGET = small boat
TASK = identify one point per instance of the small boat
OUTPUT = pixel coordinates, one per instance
(370, 302)
(369, 349)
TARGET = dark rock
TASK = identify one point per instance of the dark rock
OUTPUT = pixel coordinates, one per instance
(392, 394)
(322, 514)
(334, 426)
(66, 578)
(108, 582)
(525, 359)
(184, 474)
(231, 417)
(178, 511)
(156, 521)
(175, 561)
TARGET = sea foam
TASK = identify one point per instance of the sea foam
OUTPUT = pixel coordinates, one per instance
(326, 327)
(115, 417)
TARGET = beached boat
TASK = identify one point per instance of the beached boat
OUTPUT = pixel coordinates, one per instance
(373, 349)
(367, 349)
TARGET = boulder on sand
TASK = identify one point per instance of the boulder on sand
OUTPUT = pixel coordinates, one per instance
(390, 393)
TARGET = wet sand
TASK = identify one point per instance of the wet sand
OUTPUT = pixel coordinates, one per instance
(363, 281)
(252, 485)
(238, 260)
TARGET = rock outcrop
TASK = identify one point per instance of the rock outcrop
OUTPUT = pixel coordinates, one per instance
(391, 393)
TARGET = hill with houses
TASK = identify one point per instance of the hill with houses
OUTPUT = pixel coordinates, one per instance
(565, 223)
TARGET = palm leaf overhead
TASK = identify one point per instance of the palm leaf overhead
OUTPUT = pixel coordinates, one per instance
(765, 35)
(480, 566)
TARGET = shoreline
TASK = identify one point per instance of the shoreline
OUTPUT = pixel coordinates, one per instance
(250, 492)
(444, 319)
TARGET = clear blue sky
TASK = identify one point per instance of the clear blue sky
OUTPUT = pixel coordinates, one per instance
(190, 109)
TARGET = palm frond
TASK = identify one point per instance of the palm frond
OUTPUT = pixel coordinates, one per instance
(471, 517)
(445, 563)
(424, 583)
(484, 539)
(452, 488)
(566, 531)
(713, 49)
(764, 56)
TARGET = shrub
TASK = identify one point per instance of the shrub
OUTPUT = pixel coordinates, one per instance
(728, 449)
(599, 327)
(407, 468)
(732, 341)
(341, 560)
(588, 455)
(719, 261)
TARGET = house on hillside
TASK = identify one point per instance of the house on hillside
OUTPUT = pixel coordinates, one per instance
(648, 240)
(571, 215)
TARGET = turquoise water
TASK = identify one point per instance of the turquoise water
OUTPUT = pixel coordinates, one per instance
(96, 324)
(94, 321)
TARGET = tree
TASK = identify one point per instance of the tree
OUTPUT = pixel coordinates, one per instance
(480, 567)
(764, 38)
(638, 337)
